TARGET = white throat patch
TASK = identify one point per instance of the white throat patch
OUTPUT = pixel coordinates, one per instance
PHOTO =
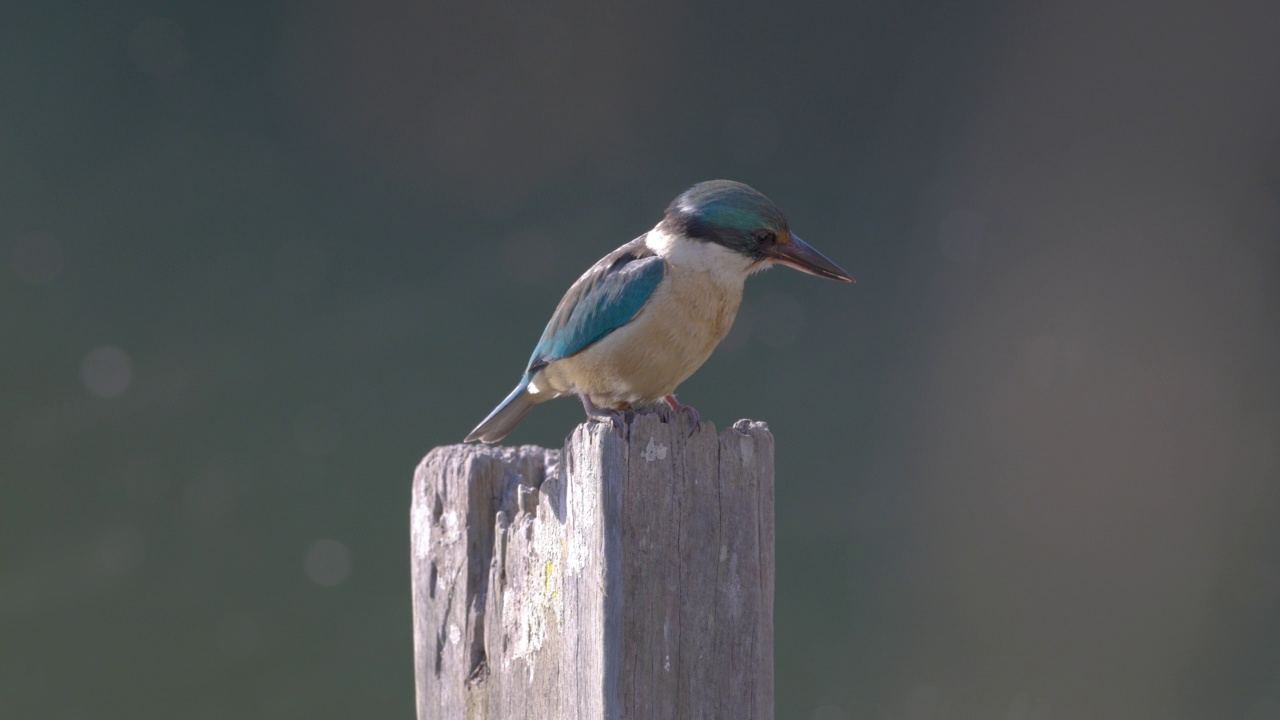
(700, 256)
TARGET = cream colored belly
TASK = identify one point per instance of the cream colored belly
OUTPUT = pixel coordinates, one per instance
(646, 359)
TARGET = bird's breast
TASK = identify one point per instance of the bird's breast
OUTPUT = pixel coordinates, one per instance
(689, 313)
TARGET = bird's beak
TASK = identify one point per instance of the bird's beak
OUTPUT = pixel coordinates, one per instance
(801, 256)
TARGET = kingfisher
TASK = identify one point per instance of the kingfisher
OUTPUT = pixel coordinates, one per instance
(647, 315)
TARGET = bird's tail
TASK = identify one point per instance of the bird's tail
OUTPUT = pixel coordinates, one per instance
(504, 417)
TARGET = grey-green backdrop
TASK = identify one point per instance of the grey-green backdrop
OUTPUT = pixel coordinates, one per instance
(257, 258)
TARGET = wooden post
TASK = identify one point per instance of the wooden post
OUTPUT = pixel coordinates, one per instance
(614, 579)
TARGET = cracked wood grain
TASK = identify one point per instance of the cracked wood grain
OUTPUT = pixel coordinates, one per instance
(611, 579)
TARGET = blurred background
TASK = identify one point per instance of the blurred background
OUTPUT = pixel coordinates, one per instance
(257, 258)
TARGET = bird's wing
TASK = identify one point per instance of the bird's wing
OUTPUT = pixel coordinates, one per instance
(604, 299)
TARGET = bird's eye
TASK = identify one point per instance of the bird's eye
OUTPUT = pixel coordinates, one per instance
(766, 237)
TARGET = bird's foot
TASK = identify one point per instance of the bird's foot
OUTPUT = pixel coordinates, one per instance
(616, 418)
(662, 410)
(687, 410)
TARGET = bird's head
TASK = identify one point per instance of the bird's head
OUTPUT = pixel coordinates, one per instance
(740, 219)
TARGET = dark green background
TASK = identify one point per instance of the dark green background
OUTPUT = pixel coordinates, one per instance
(1028, 466)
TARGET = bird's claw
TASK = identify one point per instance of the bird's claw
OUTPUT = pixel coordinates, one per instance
(617, 418)
(687, 410)
(621, 419)
(694, 416)
(662, 411)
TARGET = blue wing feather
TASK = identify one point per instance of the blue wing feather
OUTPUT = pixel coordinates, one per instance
(604, 299)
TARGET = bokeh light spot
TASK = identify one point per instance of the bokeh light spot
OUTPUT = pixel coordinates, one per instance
(327, 563)
(37, 258)
(106, 371)
(117, 550)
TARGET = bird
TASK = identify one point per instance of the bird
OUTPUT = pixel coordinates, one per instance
(645, 317)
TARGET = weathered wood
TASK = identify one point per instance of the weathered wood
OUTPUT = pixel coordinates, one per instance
(613, 579)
